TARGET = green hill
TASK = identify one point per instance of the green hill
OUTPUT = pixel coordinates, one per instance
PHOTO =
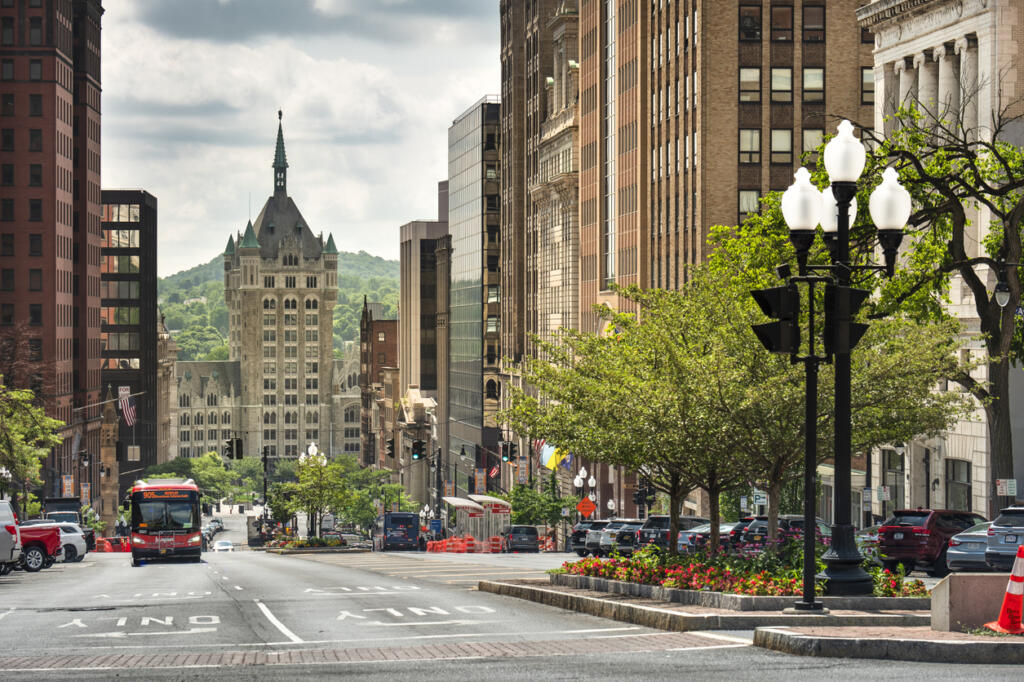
(192, 301)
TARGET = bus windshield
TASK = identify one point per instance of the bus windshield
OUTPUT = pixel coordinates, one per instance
(169, 513)
(405, 521)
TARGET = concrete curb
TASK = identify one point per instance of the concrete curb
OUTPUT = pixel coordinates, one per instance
(681, 621)
(998, 651)
(735, 602)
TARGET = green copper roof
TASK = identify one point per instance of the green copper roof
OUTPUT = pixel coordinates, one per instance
(249, 240)
(330, 248)
(230, 248)
(280, 160)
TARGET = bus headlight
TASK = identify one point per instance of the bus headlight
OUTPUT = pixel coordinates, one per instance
(194, 540)
(136, 540)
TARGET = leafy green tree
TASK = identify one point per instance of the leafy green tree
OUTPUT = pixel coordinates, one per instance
(91, 519)
(217, 353)
(533, 507)
(26, 436)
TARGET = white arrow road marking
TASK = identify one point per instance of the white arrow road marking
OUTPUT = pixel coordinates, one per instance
(436, 622)
(118, 635)
(276, 623)
(238, 587)
(7, 612)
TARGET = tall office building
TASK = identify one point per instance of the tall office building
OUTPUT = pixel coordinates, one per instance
(417, 323)
(473, 217)
(128, 319)
(50, 232)
(378, 350)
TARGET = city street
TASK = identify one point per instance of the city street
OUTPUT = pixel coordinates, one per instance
(375, 615)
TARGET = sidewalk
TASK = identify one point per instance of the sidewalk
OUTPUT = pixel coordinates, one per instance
(842, 633)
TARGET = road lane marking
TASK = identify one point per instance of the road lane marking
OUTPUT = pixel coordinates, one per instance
(711, 646)
(121, 634)
(7, 612)
(724, 638)
(436, 622)
(238, 587)
(276, 623)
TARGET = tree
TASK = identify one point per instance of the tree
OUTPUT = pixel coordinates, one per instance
(956, 176)
(26, 436)
(217, 353)
(91, 519)
(532, 507)
(320, 487)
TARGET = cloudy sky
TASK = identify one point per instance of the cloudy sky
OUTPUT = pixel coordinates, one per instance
(191, 90)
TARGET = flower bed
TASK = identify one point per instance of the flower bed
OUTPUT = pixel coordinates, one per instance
(776, 571)
(303, 544)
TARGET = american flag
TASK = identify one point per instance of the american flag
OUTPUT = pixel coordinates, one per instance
(538, 443)
(127, 403)
(494, 471)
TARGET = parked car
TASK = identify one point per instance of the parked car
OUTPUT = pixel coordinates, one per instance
(41, 546)
(1005, 534)
(60, 518)
(967, 550)
(216, 524)
(520, 539)
(10, 537)
(619, 535)
(736, 532)
(697, 538)
(223, 546)
(757, 530)
(867, 543)
(578, 540)
(592, 543)
(656, 528)
(919, 538)
(356, 541)
(72, 538)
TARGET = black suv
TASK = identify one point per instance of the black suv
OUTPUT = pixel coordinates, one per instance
(578, 541)
(656, 529)
(757, 531)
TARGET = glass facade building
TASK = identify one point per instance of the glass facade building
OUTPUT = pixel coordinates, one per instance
(473, 215)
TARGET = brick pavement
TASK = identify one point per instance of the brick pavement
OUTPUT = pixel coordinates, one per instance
(503, 649)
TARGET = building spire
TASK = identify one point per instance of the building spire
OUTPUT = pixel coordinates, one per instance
(280, 160)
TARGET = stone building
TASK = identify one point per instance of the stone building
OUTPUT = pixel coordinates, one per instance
(956, 59)
(276, 391)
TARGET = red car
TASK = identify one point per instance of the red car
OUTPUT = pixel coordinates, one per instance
(918, 538)
(40, 546)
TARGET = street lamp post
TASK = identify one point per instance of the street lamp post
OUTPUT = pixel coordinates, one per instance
(835, 209)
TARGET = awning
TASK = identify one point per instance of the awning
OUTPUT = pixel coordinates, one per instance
(487, 500)
(462, 503)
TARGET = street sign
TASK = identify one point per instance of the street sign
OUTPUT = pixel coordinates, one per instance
(1006, 487)
(565, 511)
(481, 481)
(435, 525)
(86, 496)
(67, 485)
(586, 507)
(883, 493)
(865, 495)
(449, 489)
(743, 503)
(760, 497)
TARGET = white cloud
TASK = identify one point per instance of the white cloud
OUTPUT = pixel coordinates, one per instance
(193, 121)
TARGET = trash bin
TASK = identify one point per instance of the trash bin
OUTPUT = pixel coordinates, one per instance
(241, 509)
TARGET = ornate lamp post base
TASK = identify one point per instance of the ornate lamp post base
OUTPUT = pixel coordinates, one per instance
(843, 569)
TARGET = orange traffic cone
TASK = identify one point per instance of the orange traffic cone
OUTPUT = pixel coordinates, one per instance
(1009, 616)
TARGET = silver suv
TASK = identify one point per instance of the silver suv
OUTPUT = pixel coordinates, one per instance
(10, 537)
(1004, 535)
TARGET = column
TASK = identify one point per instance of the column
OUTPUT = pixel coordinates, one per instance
(949, 83)
(967, 48)
(927, 82)
(908, 81)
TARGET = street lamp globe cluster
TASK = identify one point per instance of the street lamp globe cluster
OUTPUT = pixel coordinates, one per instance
(804, 208)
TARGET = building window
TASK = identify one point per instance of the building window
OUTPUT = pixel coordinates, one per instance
(7, 174)
(289, 282)
(269, 336)
(35, 105)
(750, 84)
(814, 24)
(311, 282)
(35, 140)
(35, 31)
(380, 337)
(867, 85)
(750, 22)
(7, 104)
(492, 324)
(492, 389)
(35, 245)
(750, 145)
(7, 70)
(7, 31)
(813, 137)
(866, 36)
(6, 209)
(35, 279)
(782, 23)
(35, 313)
(958, 484)
(7, 244)
(6, 314)
(814, 85)
(35, 70)
(782, 85)
(782, 145)
(268, 283)
(35, 175)
(7, 140)
(492, 293)
(749, 202)
(35, 210)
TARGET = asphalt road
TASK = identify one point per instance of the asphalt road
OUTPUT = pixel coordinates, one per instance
(393, 616)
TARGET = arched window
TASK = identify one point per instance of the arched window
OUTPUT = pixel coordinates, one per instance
(269, 304)
(226, 418)
(212, 419)
(184, 419)
(291, 304)
(199, 419)
(211, 400)
(492, 389)
(312, 304)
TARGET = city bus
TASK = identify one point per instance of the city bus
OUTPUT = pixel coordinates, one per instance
(396, 530)
(165, 520)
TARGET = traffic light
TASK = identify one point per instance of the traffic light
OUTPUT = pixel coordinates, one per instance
(505, 455)
(229, 448)
(841, 306)
(417, 449)
(638, 497)
(512, 447)
(391, 447)
(782, 304)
